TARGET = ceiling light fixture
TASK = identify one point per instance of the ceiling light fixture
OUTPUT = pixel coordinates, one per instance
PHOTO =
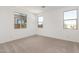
(43, 6)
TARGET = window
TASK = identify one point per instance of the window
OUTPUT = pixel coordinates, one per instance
(70, 19)
(20, 21)
(40, 22)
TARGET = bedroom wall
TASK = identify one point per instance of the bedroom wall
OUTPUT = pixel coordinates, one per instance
(7, 31)
(53, 25)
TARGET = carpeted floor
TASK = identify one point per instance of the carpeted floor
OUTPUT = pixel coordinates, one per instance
(39, 44)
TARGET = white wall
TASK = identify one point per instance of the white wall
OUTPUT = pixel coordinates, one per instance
(53, 25)
(7, 31)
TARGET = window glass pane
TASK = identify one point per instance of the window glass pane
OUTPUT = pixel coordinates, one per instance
(40, 19)
(20, 20)
(40, 22)
(70, 14)
(70, 24)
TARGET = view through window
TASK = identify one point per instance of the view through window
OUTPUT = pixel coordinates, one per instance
(20, 20)
(40, 22)
(70, 19)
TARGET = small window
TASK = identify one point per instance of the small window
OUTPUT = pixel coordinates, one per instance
(40, 22)
(70, 19)
(20, 20)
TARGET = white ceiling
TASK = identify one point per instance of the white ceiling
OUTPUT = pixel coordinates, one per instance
(39, 9)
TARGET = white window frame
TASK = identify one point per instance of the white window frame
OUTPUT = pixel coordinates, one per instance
(71, 19)
(40, 26)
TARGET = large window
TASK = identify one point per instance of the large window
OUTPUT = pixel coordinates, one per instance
(20, 20)
(70, 19)
(40, 22)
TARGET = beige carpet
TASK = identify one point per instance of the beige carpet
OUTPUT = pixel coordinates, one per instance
(39, 44)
